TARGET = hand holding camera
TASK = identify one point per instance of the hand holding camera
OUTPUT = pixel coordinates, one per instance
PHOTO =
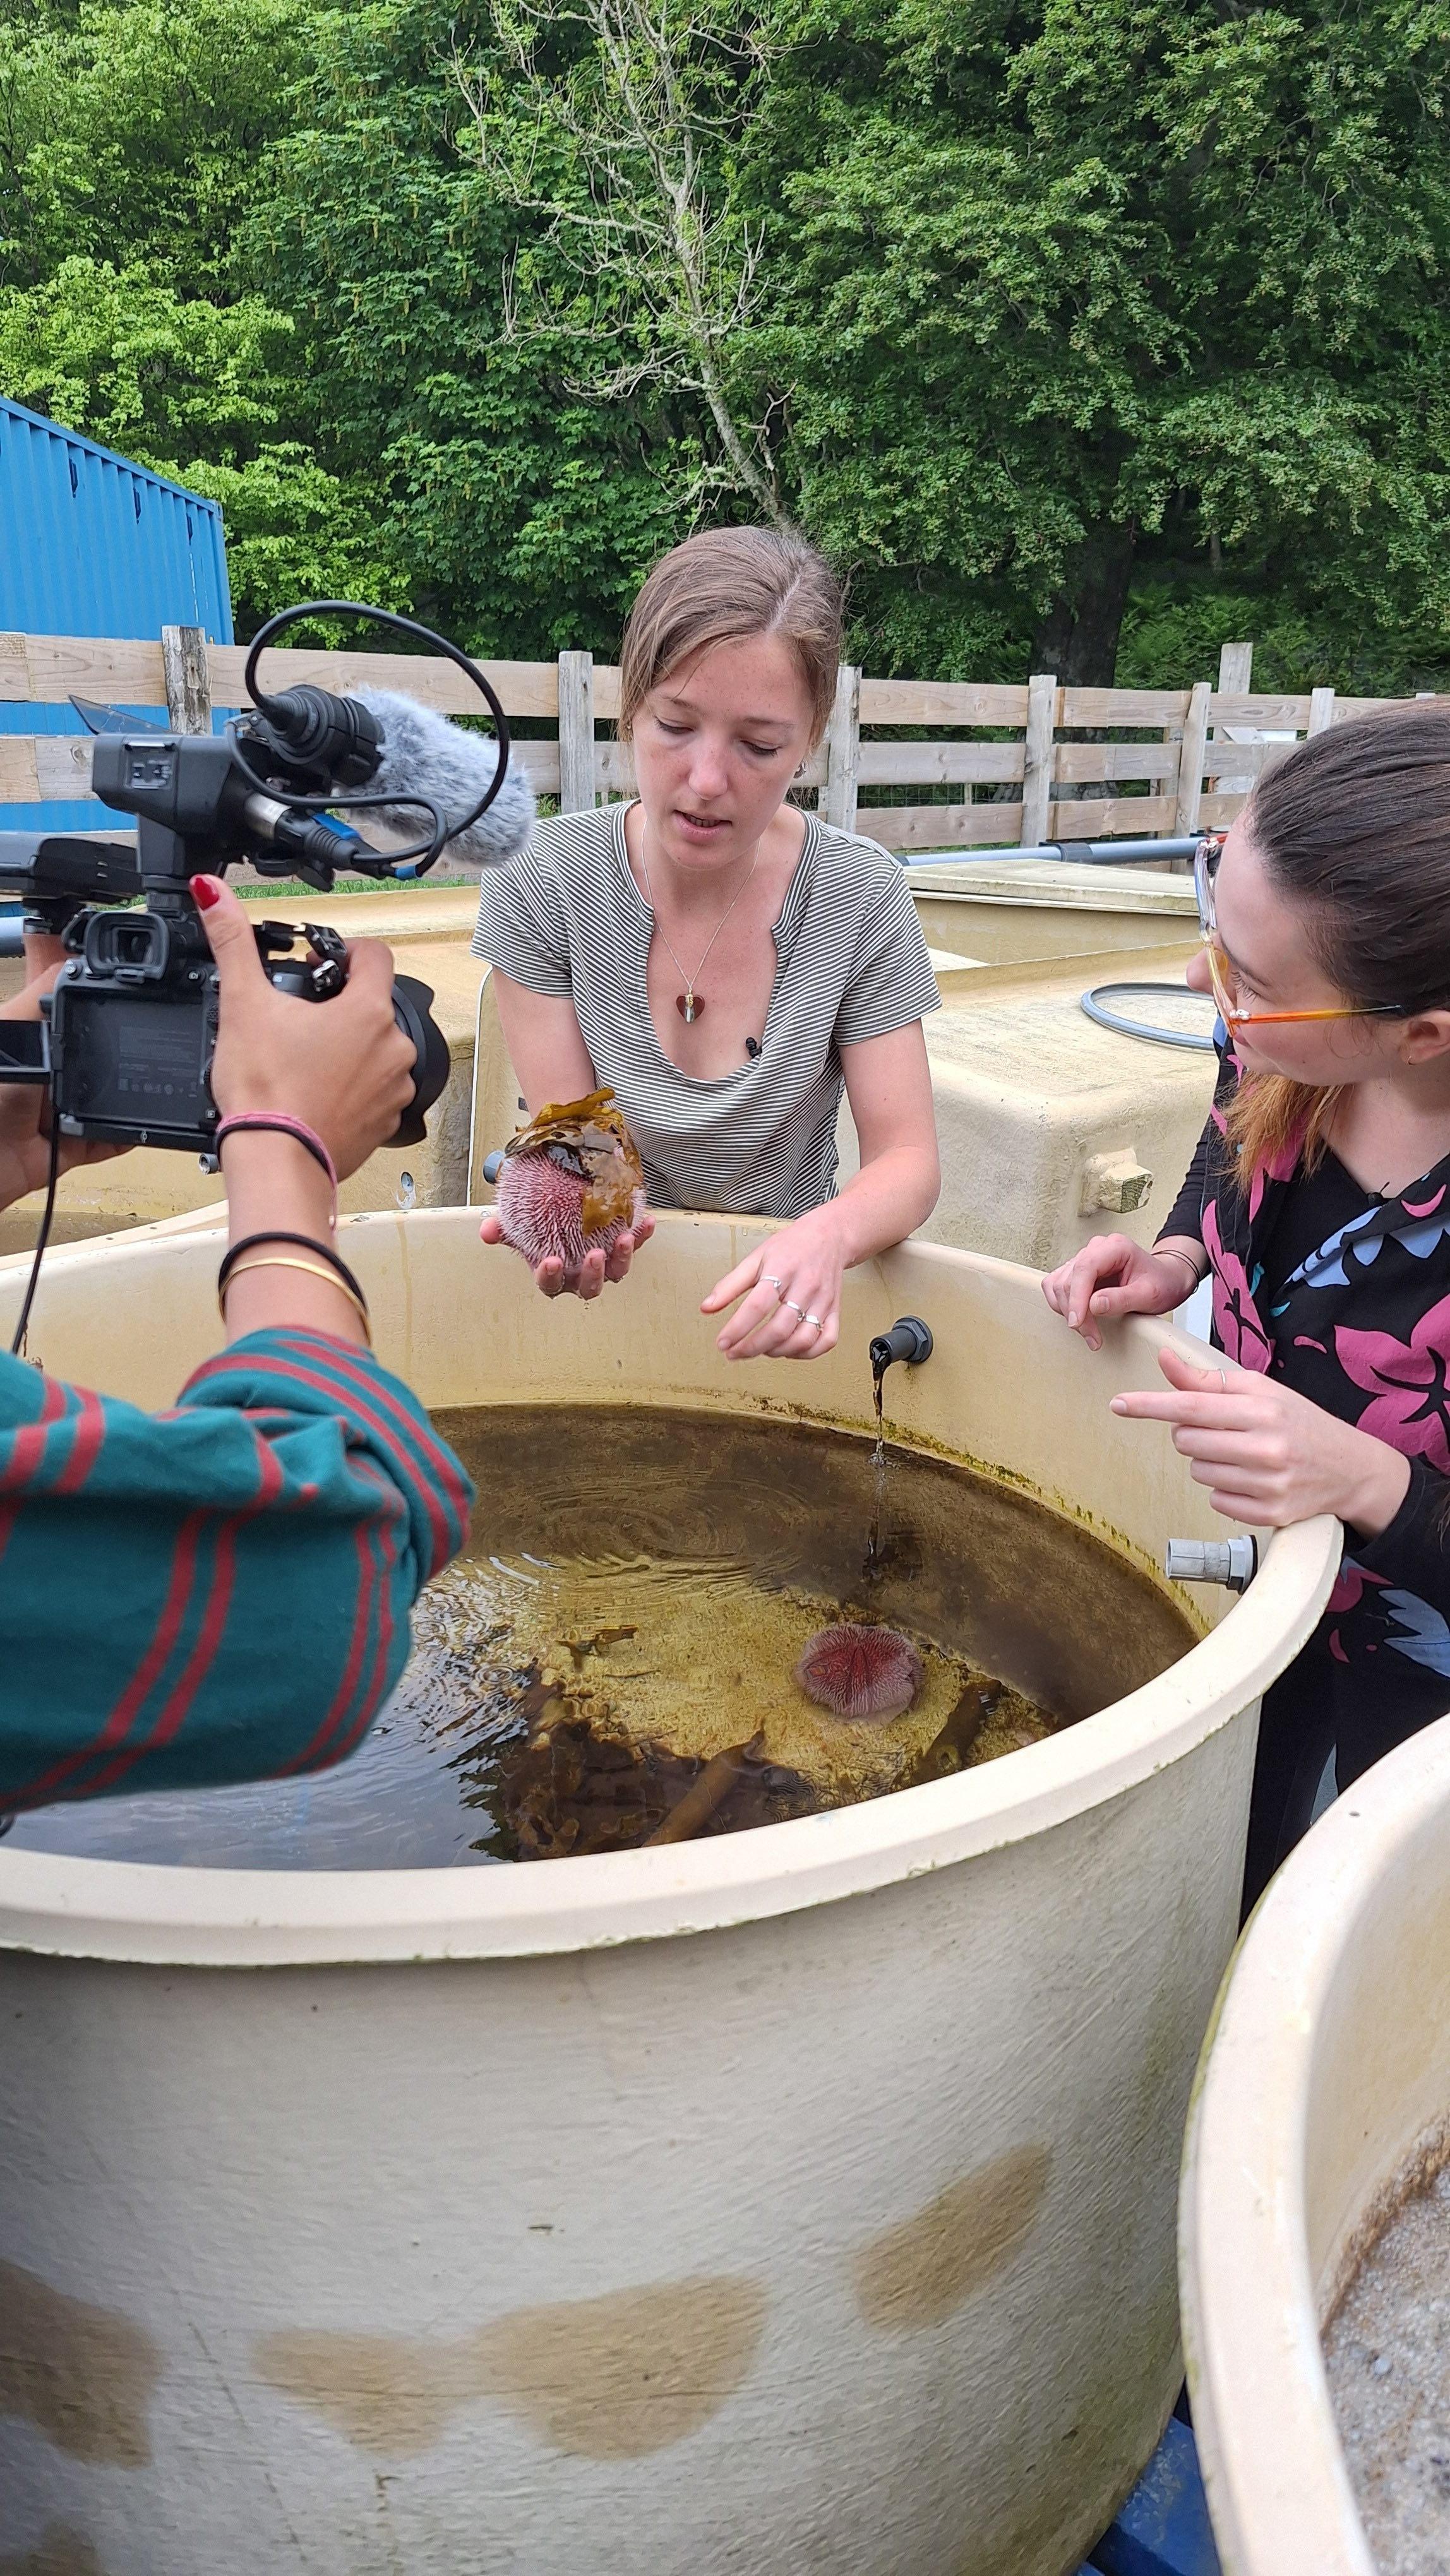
(348, 1070)
(125, 1040)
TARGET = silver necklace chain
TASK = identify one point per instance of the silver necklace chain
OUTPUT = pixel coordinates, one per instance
(687, 1004)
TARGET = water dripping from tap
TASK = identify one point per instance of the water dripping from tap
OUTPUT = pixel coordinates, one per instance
(909, 1340)
(872, 1567)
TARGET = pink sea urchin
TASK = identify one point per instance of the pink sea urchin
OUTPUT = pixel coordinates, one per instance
(540, 1208)
(859, 1672)
(571, 1183)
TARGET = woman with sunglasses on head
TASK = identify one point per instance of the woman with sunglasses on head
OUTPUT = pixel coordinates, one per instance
(1319, 1202)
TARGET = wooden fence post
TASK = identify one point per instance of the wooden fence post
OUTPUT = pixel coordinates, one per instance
(1321, 710)
(576, 733)
(1235, 679)
(1190, 759)
(188, 680)
(1038, 757)
(837, 801)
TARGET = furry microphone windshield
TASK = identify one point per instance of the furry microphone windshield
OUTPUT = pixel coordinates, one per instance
(425, 755)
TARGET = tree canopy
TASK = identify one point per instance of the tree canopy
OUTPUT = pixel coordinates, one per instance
(1082, 334)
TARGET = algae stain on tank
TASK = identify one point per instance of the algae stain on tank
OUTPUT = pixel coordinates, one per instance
(615, 1657)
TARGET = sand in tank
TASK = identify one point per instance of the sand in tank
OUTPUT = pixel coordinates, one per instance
(1387, 2353)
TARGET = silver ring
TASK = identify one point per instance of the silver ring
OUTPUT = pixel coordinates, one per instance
(1223, 1380)
(775, 1284)
(804, 1314)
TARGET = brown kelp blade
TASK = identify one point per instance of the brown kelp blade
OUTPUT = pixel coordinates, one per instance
(600, 1148)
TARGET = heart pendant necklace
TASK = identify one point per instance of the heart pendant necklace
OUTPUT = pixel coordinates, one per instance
(690, 1004)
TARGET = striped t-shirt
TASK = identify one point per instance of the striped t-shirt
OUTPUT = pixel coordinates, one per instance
(566, 918)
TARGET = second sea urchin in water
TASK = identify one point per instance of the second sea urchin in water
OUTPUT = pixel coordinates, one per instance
(572, 1183)
(860, 1672)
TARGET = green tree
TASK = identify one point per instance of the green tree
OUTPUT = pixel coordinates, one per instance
(640, 126)
(524, 507)
(131, 132)
(1106, 288)
(130, 144)
(1082, 333)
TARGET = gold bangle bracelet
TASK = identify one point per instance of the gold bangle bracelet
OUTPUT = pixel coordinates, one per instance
(314, 1269)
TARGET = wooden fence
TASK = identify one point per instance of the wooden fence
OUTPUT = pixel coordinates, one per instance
(1034, 762)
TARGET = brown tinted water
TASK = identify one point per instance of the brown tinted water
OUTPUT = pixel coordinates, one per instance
(623, 1635)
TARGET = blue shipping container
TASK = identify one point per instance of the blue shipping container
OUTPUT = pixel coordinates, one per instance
(91, 544)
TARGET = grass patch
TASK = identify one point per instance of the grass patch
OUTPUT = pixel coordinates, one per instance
(295, 891)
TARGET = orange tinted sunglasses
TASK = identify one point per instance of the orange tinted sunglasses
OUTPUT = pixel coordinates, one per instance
(1205, 869)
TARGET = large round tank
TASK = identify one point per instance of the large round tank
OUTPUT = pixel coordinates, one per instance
(1325, 2088)
(798, 2200)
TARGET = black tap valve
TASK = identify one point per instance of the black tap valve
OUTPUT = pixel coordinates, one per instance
(909, 1339)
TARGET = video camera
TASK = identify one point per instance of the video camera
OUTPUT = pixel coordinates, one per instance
(127, 1041)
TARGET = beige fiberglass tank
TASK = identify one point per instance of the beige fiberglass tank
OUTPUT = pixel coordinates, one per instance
(1005, 910)
(1314, 2221)
(797, 2199)
(1054, 1127)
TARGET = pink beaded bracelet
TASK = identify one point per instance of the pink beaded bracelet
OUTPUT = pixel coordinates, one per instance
(277, 1123)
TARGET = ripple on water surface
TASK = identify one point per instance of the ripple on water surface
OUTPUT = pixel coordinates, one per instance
(624, 1633)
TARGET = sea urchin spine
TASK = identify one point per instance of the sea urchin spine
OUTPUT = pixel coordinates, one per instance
(540, 1209)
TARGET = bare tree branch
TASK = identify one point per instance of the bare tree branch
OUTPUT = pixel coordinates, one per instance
(620, 158)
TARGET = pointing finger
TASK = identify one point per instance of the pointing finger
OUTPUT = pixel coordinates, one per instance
(1218, 1411)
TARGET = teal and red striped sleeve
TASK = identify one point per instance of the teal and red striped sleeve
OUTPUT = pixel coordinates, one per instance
(219, 1592)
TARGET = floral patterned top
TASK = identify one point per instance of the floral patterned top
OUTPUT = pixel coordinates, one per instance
(1345, 1297)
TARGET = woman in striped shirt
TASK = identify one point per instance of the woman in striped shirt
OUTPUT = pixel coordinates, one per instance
(221, 1592)
(725, 962)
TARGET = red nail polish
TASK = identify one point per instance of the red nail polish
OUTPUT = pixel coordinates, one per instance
(206, 892)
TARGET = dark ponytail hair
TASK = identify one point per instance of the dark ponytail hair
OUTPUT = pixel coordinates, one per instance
(1354, 827)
